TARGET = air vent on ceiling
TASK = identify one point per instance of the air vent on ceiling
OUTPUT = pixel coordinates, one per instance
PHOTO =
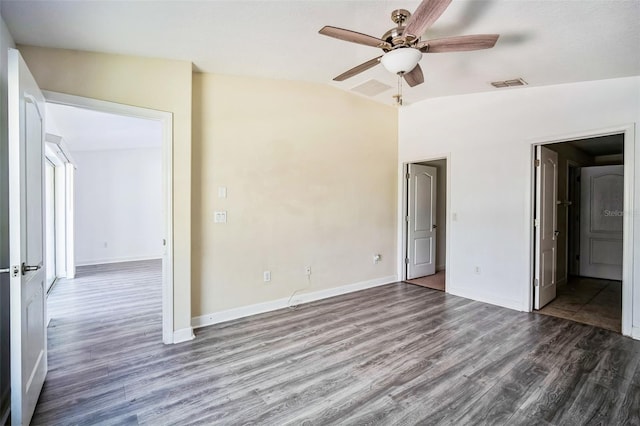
(371, 87)
(509, 83)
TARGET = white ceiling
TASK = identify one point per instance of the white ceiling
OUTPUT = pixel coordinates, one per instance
(88, 130)
(542, 41)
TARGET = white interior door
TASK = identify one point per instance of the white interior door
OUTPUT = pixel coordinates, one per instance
(26, 235)
(546, 226)
(421, 221)
(601, 222)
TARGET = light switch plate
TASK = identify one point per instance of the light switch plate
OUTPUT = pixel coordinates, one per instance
(222, 192)
(220, 217)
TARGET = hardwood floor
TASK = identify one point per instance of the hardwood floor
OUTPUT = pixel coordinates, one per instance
(395, 354)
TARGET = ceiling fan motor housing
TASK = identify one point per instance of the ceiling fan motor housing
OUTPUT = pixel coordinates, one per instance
(395, 36)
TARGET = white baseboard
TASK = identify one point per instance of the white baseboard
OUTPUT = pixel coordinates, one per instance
(486, 298)
(635, 333)
(107, 261)
(183, 335)
(259, 308)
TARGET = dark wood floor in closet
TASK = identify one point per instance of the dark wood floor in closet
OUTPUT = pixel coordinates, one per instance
(396, 354)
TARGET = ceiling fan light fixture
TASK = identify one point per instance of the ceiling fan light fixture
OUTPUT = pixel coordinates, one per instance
(402, 60)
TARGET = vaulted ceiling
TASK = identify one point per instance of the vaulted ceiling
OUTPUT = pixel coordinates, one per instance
(543, 42)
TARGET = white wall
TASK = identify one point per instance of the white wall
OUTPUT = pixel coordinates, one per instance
(118, 205)
(6, 42)
(489, 137)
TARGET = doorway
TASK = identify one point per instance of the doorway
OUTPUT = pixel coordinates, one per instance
(425, 227)
(109, 246)
(582, 209)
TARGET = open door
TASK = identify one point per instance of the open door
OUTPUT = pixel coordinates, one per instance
(421, 226)
(546, 234)
(26, 235)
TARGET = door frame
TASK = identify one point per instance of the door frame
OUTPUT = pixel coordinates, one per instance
(402, 214)
(166, 119)
(628, 132)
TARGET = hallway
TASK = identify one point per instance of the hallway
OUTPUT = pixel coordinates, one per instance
(589, 301)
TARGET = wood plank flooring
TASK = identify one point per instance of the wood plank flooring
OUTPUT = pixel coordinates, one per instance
(395, 354)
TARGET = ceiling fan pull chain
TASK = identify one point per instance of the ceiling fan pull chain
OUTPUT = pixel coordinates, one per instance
(399, 95)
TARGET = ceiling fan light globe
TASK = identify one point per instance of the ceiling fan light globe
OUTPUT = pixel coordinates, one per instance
(401, 60)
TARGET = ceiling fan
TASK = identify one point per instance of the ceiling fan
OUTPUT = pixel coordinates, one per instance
(403, 46)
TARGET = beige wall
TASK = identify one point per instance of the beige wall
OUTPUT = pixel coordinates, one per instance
(311, 179)
(149, 83)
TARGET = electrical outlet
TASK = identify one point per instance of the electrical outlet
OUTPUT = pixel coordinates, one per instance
(476, 270)
(267, 276)
(307, 270)
(220, 217)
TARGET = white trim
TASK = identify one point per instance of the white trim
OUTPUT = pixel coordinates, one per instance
(273, 305)
(117, 260)
(166, 118)
(183, 335)
(402, 213)
(628, 284)
(69, 181)
(635, 333)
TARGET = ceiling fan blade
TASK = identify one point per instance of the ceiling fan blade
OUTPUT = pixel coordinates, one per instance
(353, 37)
(425, 15)
(414, 77)
(459, 43)
(357, 70)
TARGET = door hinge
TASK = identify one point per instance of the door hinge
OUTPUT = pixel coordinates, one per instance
(537, 283)
(406, 218)
(406, 260)
(408, 176)
(164, 242)
(536, 222)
